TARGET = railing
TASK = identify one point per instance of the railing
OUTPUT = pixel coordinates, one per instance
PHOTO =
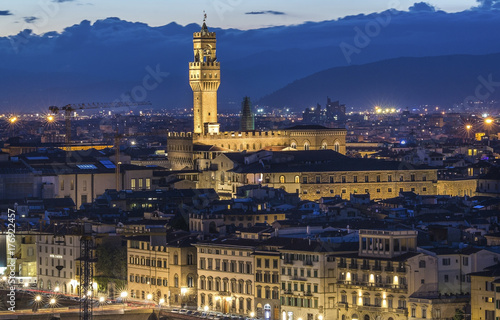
(286, 261)
(308, 293)
(389, 268)
(298, 278)
(401, 269)
(365, 267)
(353, 266)
(307, 263)
(287, 291)
(342, 265)
(377, 268)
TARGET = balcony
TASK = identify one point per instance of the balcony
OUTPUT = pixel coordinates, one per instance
(365, 267)
(308, 293)
(286, 292)
(342, 265)
(377, 268)
(389, 268)
(353, 266)
(287, 261)
(401, 269)
(307, 263)
(297, 278)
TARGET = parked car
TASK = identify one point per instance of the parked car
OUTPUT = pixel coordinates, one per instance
(183, 311)
(175, 311)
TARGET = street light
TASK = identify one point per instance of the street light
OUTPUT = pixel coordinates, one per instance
(162, 301)
(50, 118)
(38, 298)
(488, 121)
(52, 301)
(205, 308)
(101, 299)
(149, 296)
(320, 317)
(252, 314)
(56, 289)
(13, 119)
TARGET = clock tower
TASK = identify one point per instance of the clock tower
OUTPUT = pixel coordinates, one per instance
(204, 78)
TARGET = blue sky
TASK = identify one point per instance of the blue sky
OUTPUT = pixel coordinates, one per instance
(54, 15)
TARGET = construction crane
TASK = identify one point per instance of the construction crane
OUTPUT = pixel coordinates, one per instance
(69, 108)
(86, 291)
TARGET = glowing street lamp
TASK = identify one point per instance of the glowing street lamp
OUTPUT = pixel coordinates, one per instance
(52, 301)
(50, 118)
(56, 289)
(149, 296)
(252, 314)
(38, 298)
(488, 121)
(162, 301)
(101, 299)
(205, 308)
(123, 294)
(320, 317)
(13, 119)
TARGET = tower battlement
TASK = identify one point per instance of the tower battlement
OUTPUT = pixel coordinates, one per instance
(205, 64)
(204, 34)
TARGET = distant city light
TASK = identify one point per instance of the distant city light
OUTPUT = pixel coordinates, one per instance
(403, 142)
(488, 121)
(13, 119)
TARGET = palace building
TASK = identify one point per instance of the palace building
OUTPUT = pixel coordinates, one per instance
(206, 140)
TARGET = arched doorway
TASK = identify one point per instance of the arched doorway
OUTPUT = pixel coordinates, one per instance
(267, 312)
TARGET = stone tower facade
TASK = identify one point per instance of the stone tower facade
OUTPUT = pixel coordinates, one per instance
(247, 118)
(204, 78)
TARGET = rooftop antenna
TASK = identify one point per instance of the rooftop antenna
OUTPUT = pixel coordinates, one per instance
(204, 16)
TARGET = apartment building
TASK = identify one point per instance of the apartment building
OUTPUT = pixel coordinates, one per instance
(226, 275)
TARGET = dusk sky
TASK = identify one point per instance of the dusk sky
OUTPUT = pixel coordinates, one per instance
(54, 15)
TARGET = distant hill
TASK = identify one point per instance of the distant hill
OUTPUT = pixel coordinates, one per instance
(400, 82)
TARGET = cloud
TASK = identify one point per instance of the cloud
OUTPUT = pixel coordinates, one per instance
(488, 4)
(30, 19)
(276, 13)
(422, 7)
(62, 1)
(5, 13)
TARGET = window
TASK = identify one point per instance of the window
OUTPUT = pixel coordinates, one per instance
(412, 177)
(61, 185)
(72, 185)
(132, 184)
(465, 261)
(424, 313)
(304, 179)
(318, 179)
(378, 178)
(421, 264)
(413, 312)
(355, 179)
(297, 179)
(446, 278)
(367, 179)
(282, 179)
(343, 179)
(389, 178)
(332, 179)
(446, 261)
